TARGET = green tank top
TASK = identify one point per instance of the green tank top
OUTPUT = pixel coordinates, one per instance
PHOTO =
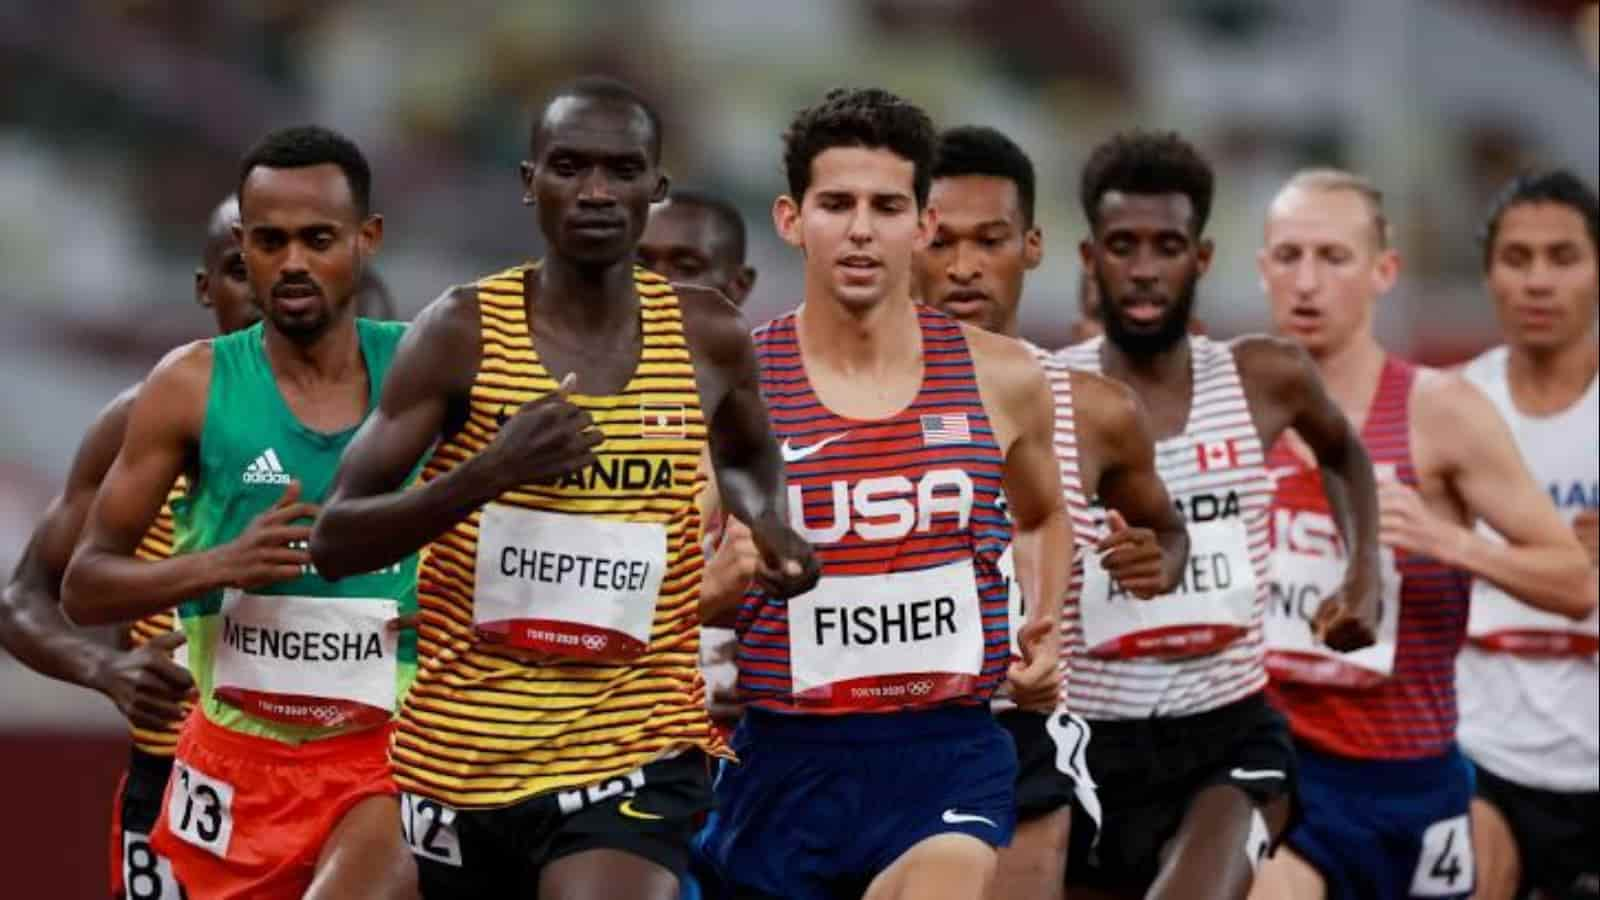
(250, 448)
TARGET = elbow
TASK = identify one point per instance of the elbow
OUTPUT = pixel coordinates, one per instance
(1582, 601)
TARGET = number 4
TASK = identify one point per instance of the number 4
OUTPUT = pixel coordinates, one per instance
(1445, 865)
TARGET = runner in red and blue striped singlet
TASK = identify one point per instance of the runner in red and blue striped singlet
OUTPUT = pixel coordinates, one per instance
(1384, 787)
(917, 492)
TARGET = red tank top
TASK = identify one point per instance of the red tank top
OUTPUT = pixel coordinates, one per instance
(905, 516)
(1411, 714)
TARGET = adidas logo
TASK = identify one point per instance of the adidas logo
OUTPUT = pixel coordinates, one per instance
(266, 470)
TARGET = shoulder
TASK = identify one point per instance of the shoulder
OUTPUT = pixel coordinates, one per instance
(1006, 369)
(712, 323)
(1273, 365)
(1104, 405)
(1445, 399)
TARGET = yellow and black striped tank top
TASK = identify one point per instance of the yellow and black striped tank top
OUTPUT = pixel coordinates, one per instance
(486, 726)
(157, 545)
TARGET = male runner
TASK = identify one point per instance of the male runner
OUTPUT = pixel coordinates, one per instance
(695, 238)
(139, 674)
(1385, 790)
(1529, 686)
(868, 759)
(984, 244)
(1194, 769)
(281, 787)
(555, 742)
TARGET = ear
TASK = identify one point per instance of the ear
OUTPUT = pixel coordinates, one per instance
(525, 175)
(1386, 271)
(927, 226)
(202, 287)
(238, 233)
(663, 186)
(786, 219)
(739, 288)
(1203, 254)
(1032, 247)
(371, 235)
(1086, 255)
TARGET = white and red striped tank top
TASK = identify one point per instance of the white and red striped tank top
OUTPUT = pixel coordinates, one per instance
(904, 514)
(1215, 471)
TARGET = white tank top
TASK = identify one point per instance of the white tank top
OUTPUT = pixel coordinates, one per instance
(1065, 439)
(1216, 473)
(1536, 720)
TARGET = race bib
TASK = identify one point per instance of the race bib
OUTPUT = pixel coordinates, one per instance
(146, 875)
(1210, 609)
(568, 585)
(866, 641)
(1296, 586)
(1499, 622)
(307, 660)
(200, 809)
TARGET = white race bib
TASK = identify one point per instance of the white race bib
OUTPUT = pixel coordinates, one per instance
(566, 584)
(146, 875)
(200, 809)
(1500, 622)
(866, 641)
(1210, 610)
(1298, 582)
(327, 661)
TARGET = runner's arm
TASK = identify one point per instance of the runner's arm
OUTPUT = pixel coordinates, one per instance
(32, 625)
(1541, 561)
(369, 520)
(105, 582)
(1123, 448)
(1291, 383)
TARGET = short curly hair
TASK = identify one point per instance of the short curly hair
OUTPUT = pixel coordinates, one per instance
(311, 145)
(1144, 162)
(860, 117)
(978, 150)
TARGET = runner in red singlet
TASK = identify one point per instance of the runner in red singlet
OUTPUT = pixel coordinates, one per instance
(1385, 789)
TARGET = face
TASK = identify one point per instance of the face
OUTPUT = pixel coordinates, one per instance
(1323, 268)
(858, 225)
(688, 243)
(1146, 261)
(305, 243)
(221, 284)
(981, 249)
(593, 179)
(1543, 276)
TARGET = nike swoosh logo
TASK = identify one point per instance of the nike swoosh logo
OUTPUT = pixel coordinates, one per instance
(626, 808)
(1256, 774)
(795, 454)
(951, 817)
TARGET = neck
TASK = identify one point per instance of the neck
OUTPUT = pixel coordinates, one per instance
(1557, 373)
(874, 339)
(1164, 367)
(587, 298)
(329, 355)
(1010, 327)
(1351, 374)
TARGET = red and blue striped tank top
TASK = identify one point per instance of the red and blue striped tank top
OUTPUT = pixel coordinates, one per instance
(1411, 714)
(905, 516)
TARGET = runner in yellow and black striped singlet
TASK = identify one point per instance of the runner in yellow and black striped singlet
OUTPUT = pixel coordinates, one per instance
(557, 729)
(146, 684)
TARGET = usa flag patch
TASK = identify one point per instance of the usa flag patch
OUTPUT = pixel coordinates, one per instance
(943, 429)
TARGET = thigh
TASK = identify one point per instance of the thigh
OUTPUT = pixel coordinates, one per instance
(365, 855)
(1034, 867)
(1219, 844)
(1499, 866)
(603, 873)
(942, 867)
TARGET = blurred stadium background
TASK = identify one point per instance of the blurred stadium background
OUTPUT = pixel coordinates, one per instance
(120, 125)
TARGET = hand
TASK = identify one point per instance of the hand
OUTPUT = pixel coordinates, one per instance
(401, 623)
(145, 684)
(1346, 621)
(1132, 556)
(1035, 679)
(734, 564)
(271, 549)
(544, 440)
(1404, 521)
(1587, 527)
(788, 566)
